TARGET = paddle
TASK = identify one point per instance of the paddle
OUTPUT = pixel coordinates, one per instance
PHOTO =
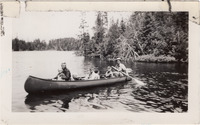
(137, 81)
(129, 70)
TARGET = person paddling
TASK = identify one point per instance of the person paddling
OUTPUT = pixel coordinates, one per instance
(121, 68)
(65, 71)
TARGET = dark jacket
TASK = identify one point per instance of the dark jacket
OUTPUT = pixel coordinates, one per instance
(67, 74)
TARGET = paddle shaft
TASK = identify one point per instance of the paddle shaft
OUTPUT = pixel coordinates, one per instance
(137, 81)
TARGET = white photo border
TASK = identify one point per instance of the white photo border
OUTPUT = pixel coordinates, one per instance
(190, 117)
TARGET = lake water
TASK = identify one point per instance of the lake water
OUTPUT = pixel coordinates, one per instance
(165, 89)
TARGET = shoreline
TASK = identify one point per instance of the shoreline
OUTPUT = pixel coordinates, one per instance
(143, 58)
(144, 61)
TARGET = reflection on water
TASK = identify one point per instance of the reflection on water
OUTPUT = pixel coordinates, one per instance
(75, 100)
(166, 88)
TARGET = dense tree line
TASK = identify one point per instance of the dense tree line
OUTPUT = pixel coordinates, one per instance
(63, 44)
(146, 35)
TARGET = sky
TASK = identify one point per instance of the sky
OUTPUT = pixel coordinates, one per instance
(53, 25)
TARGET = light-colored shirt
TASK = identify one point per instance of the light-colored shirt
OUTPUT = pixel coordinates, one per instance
(94, 76)
(89, 75)
(109, 74)
(122, 68)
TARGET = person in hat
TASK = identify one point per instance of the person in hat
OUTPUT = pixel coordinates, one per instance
(121, 68)
(66, 74)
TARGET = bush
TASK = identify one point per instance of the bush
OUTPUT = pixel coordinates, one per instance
(152, 58)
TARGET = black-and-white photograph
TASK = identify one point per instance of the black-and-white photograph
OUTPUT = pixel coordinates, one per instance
(100, 61)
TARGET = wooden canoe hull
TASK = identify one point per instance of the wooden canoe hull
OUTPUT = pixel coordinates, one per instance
(35, 85)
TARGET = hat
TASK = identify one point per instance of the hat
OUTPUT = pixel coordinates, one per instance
(118, 59)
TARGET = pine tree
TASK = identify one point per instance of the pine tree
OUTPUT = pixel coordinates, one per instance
(122, 27)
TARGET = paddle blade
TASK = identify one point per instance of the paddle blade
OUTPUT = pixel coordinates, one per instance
(129, 70)
(139, 83)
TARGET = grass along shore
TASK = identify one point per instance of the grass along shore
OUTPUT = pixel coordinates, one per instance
(153, 59)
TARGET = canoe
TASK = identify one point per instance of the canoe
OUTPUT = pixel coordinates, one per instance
(35, 85)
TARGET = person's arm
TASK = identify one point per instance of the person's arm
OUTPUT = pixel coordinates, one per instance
(123, 67)
(91, 77)
(65, 75)
(120, 67)
(57, 76)
(107, 74)
(117, 67)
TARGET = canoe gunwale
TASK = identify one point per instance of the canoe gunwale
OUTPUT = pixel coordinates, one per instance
(76, 80)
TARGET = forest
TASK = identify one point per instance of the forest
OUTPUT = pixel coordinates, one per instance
(62, 44)
(145, 36)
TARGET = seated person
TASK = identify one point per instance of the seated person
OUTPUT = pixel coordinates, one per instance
(90, 74)
(66, 75)
(109, 73)
(66, 72)
(121, 68)
(94, 75)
